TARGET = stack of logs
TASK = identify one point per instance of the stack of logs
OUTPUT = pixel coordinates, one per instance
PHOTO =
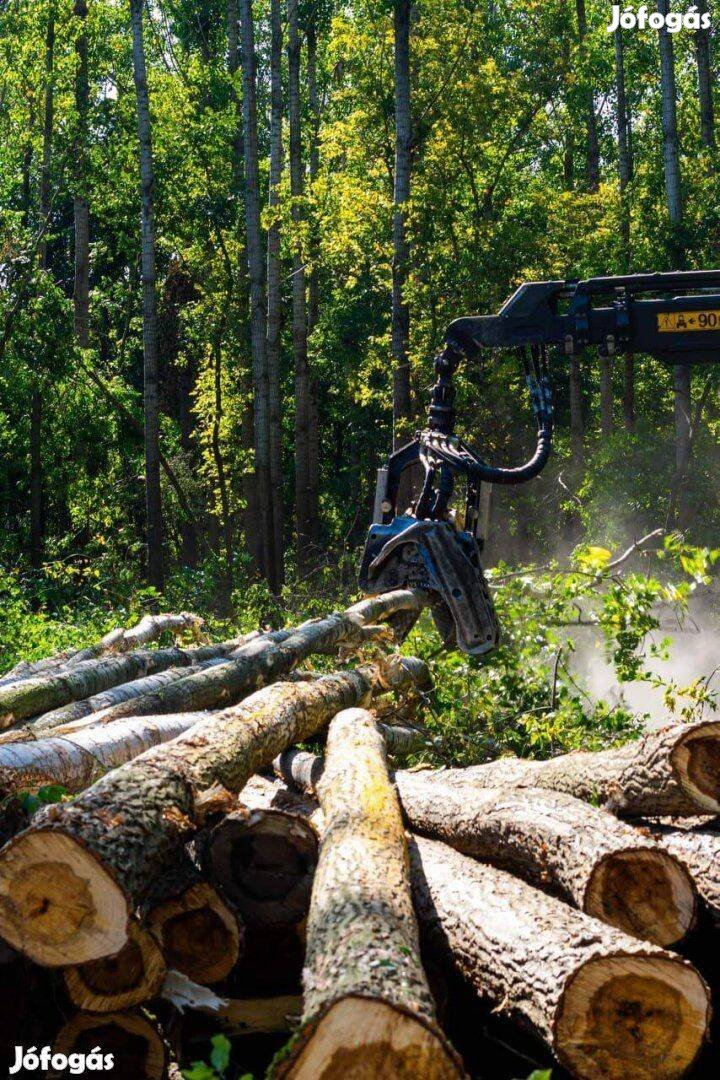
(200, 864)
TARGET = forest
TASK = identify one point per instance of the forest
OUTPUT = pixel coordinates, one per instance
(232, 237)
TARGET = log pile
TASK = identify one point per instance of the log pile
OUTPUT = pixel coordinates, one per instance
(203, 874)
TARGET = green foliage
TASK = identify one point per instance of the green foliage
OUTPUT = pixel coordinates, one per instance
(219, 1063)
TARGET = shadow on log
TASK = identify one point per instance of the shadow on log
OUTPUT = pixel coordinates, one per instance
(136, 1046)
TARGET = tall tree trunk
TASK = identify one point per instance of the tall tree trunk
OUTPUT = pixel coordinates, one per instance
(623, 149)
(313, 284)
(705, 81)
(258, 308)
(577, 431)
(401, 250)
(593, 149)
(81, 290)
(274, 296)
(303, 495)
(606, 397)
(251, 525)
(153, 499)
(671, 151)
(36, 400)
(629, 393)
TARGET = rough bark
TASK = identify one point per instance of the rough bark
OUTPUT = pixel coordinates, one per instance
(136, 1045)
(697, 846)
(153, 499)
(559, 844)
(593, 149)
(199, 934)
(42, 693)
(256, 271)
(264, 855)
(68, 883)
(77, 759)
(705, 81)
(402, 406)
(81, 208)
(274, 292)
(671, 772)
(303, 496)
(267, 657)
(366, 999)
(314, 165)
(607, 1004)
(131, 977)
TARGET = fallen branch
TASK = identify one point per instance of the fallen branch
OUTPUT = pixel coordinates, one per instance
(606, 1004)
(367, 1003)
(69, 882)
(673, 772)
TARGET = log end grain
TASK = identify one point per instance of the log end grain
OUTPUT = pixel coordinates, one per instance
(264, 862)
(136, 1046)
(645, 892)
(624, 1017)
(198, 933)
(57, 904)
(366, 1039)
(696, 762)
(132, 976)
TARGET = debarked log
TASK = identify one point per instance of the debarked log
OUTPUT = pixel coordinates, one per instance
(199, 934)
(270, 656)
(264, 854)
(131, 977)
(673, 772)
(583, 854)
(18, 701)
(76, 759)
(69, 881)
(135, 1045)
(367, 1004)
(609, 1006)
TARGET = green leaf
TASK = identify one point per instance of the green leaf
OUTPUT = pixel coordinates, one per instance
(220, 1056)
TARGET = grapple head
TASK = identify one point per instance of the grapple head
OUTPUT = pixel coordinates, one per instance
(435, 557)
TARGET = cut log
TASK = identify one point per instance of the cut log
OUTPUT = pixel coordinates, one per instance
(236, 1016)
(77, 759)
(94, 710)
(198, 933)
(135, 975)
(148, 629)
(270, 656)
(368, 1010)
(696, 844)
(608, 1005)
(582, 854)
(69, 882)
(673, 772)
(264, 855)
(18, 701)
(136, 1046)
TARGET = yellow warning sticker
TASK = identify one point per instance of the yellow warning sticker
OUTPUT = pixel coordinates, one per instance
(674, 322)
